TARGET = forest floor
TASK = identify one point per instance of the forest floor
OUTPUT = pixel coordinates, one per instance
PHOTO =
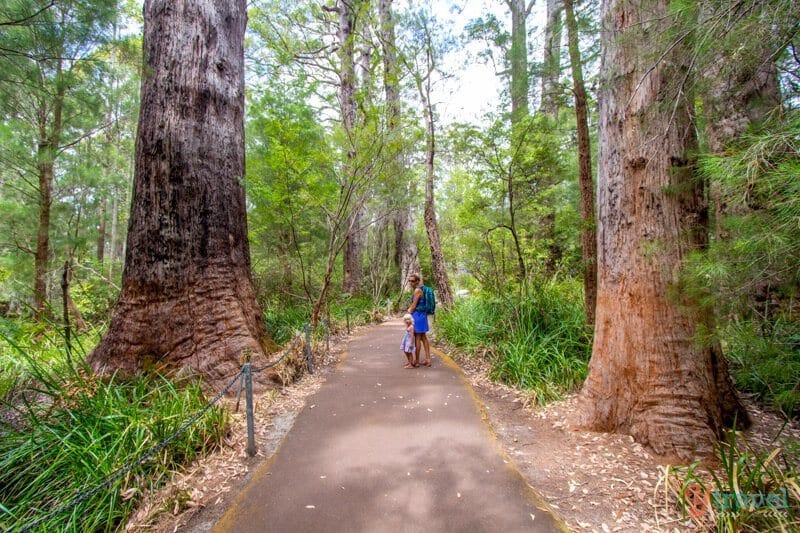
(593, 481)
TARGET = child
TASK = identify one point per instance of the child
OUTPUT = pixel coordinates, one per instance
(407, 344)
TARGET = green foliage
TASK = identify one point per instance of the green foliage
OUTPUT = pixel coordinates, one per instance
(74, 431)
(751, 490)
(537, 340)
(765, 360)
(750, 278)
(533, 166)
(284, 322)
(21, 341)
(63, 55)
(290, 188)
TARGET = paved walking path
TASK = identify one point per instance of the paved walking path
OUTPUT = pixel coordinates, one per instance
(381, 448)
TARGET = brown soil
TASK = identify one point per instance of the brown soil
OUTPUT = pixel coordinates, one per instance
(594, 481)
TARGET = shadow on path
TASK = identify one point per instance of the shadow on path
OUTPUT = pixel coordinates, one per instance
(383, 448)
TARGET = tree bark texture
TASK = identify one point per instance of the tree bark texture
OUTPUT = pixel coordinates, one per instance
(187, 297)
(648, 376)
(585, 179)
(552, 59)
(391, 75)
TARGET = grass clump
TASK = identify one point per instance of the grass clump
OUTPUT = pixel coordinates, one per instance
(537, 341)
(750, 490)
(72, 432)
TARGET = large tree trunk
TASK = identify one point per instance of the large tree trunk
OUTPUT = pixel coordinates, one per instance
(648, 376)
(588, 233)
(552, 59)
(739, 89)
(187, 297)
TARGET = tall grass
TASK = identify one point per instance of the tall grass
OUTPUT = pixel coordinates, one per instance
(63, 432)
(80, 431)
(537, 340)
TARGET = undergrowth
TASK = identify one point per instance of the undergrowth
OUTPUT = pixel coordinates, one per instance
(537, 341)
(63, 432)
(284, 321)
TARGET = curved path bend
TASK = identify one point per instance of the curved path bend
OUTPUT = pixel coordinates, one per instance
(381, 448)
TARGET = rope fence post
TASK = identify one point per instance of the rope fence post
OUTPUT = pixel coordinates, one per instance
(251, 436)
(347, 317)
(309, 355)
(388, 308)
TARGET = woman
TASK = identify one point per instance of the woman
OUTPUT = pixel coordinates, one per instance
(420, 320)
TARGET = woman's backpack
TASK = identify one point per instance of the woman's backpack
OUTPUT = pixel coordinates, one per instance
(430, 301)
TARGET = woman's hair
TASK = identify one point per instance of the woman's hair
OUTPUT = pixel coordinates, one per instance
(416, 276)
(408, 318)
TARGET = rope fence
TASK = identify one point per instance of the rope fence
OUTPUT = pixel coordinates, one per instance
(243, 377)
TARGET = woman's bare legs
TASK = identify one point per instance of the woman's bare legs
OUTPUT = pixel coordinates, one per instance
(427, 361)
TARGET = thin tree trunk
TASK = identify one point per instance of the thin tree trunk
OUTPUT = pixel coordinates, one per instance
(101, 232)
(187, 298)
(522, 270)
(649, 377)
(550, 106)
(588, 233)
(552, 59)
(47, 151)
(112, 248)
(519, 59)
(45, 170)
(284, 246)
(406, 257)
(519, 111)
(347, 88)
(445, 293)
